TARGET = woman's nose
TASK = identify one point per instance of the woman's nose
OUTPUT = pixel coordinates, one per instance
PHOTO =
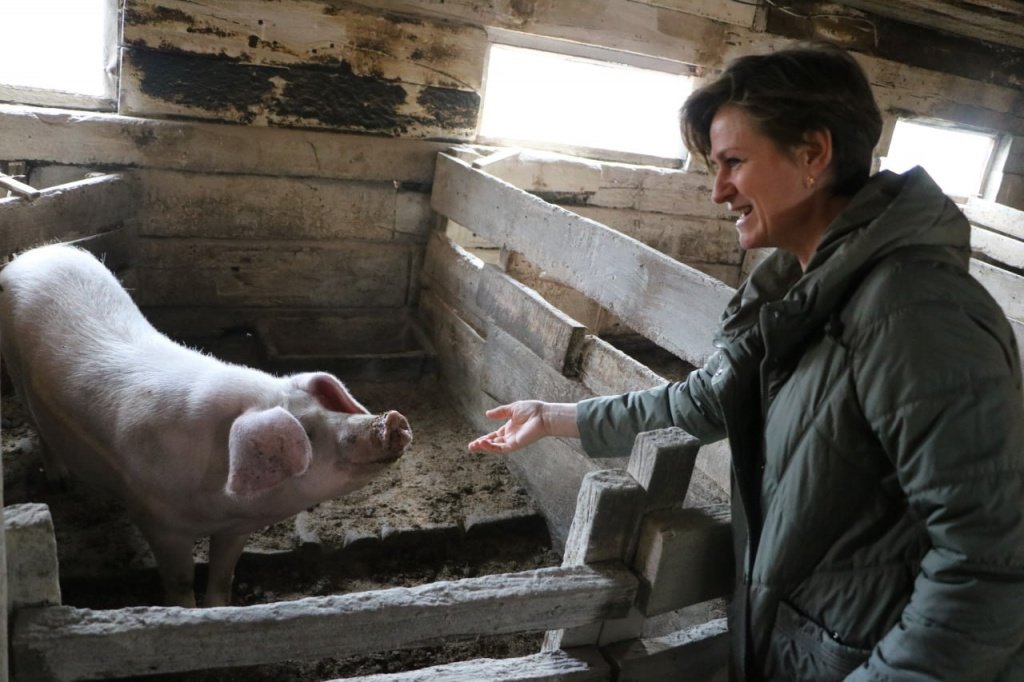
(722, 190)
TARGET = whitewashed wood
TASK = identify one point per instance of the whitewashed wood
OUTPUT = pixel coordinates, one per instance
(738, 13)
(662, 463)
(993, 216)
(215, 206)
(683, 238)
(673, 305)
(545, 330)
(605, 370)
(696, 654)
(392, 47)
(460, 354)
(692, 542)
(63, 643)
(581, 664)
(611, 185)
(89, 139)
(18, 187)
(409, 113)
(604, 529)
(998, 248)
(66, 212)
(326, 274)
(1006, 287)
(514, 372)
(31, 565)
(453, 274)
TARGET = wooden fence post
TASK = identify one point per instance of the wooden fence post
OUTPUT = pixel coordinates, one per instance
(604, 528)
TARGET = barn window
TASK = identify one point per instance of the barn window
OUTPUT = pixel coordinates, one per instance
(59, 53)
(594, 107)
(959, 160)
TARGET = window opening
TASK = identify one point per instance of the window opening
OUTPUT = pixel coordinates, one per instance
(959, 160)
(578, 104)
(58, 46)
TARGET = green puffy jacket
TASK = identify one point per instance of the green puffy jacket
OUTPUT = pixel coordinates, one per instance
(874, 411)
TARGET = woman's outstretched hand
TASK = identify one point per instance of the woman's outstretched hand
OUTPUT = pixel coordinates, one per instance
(527, 422)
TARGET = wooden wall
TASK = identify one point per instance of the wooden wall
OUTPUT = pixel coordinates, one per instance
(285, 149)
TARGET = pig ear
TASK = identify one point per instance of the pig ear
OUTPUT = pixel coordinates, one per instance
(332, 394)
(265, 448)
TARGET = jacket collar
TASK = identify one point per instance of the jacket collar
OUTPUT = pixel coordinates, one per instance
(892, 212)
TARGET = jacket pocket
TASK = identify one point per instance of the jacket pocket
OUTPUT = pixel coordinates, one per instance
(800, 650)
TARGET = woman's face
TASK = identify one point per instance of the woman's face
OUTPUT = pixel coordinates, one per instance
(767, 186)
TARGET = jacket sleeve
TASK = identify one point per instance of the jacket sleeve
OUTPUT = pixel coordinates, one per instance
(608, 425)
(940, 385)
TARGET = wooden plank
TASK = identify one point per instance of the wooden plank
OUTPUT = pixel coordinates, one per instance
(339, 35)
(545, 330)
(996, 217)
(63, 643)
(1006, 287)
(684, 557)
(18, 187)
(697, 654)
(662, 463)
(514, 372)
(670, 303)
(67, 212)
(950, 17)
(581, 664)
(90, 139)
(997, 248)
(175, 204)
(341, 273)
(454, 275)
(605, 370)
(31, 566)
(604, 529)
(683, 238)
(161, 84)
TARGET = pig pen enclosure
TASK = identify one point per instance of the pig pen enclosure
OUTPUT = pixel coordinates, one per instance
(452, 566)
(474, 563)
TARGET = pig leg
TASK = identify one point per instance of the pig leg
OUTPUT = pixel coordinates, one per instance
(224, 552)
(173, 553)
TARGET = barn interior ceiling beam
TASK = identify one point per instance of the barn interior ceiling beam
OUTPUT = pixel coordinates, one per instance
(994, 21)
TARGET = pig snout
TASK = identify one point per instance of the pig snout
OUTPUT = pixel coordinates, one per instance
(392, 433)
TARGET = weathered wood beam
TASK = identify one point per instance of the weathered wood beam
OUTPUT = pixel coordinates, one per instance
(996, 217)
(545, 330)
(327, 274)
(953, 17)
(673, 305)
(63, 643)
(582, 664)
(691, 542)
(65, 212)
(88, 139)
(31, 567)
(662, 463)
(697, 654)
(338, 35)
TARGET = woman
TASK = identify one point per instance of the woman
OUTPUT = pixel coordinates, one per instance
(870, 390)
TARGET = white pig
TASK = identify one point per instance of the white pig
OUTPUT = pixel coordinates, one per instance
(193, 446)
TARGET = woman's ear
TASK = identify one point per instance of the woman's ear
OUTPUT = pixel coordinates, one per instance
(815, 153)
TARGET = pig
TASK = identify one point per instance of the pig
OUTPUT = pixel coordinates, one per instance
(192, 446)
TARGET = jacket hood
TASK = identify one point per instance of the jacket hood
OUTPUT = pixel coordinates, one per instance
(890, 213)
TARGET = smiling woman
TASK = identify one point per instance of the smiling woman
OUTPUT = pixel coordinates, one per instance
(58, 52)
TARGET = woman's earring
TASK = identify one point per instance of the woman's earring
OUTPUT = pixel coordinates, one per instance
(809, 182)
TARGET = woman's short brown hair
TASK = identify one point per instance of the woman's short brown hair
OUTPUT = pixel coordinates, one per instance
(791, 92)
